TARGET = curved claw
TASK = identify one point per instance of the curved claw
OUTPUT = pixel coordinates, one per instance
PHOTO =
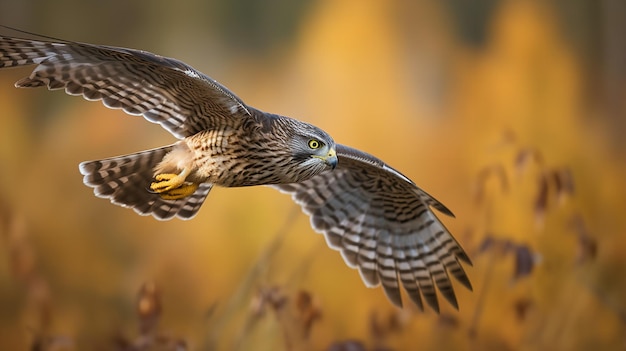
(172, 186)
(166, 182)
(180, 192)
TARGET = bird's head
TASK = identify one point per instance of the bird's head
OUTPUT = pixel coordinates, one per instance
(312, 149)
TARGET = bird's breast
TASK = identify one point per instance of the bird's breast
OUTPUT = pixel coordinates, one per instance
(231, 158)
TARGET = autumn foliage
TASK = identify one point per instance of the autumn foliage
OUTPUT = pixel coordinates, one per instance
(519, 133)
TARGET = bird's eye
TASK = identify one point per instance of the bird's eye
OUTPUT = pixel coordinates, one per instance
(315, 144)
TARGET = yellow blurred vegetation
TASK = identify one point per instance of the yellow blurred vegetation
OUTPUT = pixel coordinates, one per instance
(508, 134)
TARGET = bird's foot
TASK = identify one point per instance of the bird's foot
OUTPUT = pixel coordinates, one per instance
(173, 186)
(181, 192)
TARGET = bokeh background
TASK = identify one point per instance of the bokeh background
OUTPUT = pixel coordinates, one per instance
(510, 112)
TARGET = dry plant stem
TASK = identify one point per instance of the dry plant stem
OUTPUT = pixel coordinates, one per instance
(482, 293)
(488, 220)
(242, 294)
(302, 268)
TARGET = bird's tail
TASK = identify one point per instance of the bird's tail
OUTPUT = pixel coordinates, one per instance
(125, 180)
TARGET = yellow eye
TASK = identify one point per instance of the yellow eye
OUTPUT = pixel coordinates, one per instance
(314, 144)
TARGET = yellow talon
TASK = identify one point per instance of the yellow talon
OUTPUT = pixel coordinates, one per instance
(180, 192)
(167, 181)
(173, 186)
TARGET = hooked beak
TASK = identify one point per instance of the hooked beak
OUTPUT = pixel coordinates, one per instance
(331, 158)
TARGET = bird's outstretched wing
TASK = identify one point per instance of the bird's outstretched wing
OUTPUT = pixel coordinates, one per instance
(163, 90)
(382, 224)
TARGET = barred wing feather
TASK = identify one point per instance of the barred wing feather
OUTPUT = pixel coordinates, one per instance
(381, 223)
(164, 90)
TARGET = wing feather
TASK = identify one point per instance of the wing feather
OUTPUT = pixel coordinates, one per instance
(383, 225)
(163, 90)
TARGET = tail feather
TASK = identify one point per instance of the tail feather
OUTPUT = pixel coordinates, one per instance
(125, 180)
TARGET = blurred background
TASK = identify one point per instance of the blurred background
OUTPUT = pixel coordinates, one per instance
(512, 113)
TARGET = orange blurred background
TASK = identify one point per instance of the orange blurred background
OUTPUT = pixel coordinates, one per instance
(509, 112)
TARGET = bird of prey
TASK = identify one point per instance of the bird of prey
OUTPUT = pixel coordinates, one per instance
(378, 219)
